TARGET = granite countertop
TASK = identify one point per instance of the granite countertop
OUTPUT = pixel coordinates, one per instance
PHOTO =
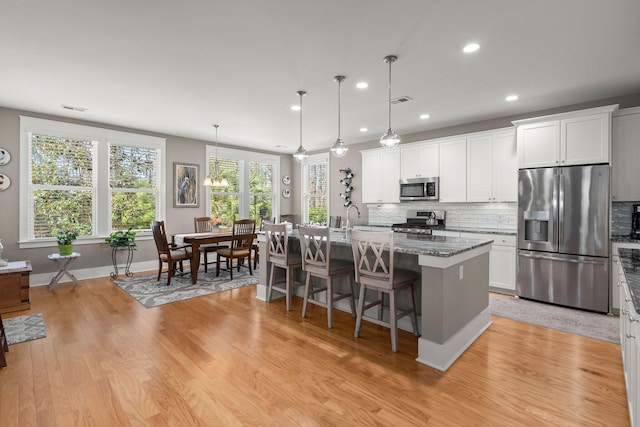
(502, 231)
(439, 246)
(624, 238)
(630, 260)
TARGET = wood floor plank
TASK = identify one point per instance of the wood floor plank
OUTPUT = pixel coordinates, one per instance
(231, 359)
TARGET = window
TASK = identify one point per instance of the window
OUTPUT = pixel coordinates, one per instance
(315, 198)
(252, 188)
(88, 179)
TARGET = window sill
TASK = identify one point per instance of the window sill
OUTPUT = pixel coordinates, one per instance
(140, 236)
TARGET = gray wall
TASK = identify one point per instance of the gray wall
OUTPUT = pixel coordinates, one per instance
(95, 255)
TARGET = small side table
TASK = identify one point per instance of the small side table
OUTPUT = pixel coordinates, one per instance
(63, 261)
(114, 259)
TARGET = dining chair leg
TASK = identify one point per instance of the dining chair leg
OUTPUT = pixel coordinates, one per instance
(307, 289)
(249, 264)
(217, 264)
(205, 261)
(170, 267)
(287, 288)
(352, 299)
(271, 276)
(159, 268)
(231, 269)
(329, 302)
(414, 317)
(393, 318)
(360, 310)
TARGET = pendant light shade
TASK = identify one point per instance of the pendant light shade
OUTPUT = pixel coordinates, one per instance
(339, 148)
(216, 181)
(301, 153)
(390, 139)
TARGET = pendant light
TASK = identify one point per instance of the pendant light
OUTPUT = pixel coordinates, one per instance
(216, 181)
(390, 139)
(339, 149)
(301, 154)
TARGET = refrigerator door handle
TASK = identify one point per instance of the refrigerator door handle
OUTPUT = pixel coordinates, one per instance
(560, 199)
(551, 258)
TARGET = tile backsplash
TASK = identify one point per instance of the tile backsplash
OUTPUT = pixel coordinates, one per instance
(621, 218)
(482, 215)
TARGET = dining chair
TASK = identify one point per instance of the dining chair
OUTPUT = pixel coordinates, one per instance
(169, 253)
(335, 221)
(243, 233)
(4, 347)
(278, 255)
(292, 218)
(256, 245)
(373, 253)
(202, 224)
(315, 248)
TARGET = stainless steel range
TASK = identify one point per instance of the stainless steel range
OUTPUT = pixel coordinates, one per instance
(421, 222)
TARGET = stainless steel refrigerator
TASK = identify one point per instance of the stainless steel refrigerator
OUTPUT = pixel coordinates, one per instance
(563, 236)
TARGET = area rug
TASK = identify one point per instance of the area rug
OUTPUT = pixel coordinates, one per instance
(588, 324)
(24, 328)
(150, 292)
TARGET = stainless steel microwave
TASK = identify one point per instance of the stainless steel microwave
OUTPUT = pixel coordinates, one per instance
(419, 189)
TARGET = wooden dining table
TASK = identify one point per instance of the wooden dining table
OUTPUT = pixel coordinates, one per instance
(198, 239)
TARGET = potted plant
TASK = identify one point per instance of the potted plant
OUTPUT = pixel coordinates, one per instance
(121, 238)
(65, 242)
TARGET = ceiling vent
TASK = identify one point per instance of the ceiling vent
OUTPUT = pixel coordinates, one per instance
(72, 108)
(401, 100)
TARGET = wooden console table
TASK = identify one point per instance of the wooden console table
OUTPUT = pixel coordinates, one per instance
(14, 286)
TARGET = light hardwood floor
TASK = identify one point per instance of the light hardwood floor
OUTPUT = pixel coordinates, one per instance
(231, 359)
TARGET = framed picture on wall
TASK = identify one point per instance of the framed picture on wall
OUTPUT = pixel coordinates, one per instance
(185, 185)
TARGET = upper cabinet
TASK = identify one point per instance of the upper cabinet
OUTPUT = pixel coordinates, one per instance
(419, 160)
(381, 176)
(453, 171)
(492, 167)
(625, 152)
(576, 138)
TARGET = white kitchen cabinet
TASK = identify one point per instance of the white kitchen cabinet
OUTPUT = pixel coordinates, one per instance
(380, 176)
(575, 138)
(453, 171)
(492, 167)
(419, 160)
(625, 152)
(502, 260)
(616, 273)
(630, 348)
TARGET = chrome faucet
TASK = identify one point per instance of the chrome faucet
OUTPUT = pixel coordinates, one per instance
(351, 205)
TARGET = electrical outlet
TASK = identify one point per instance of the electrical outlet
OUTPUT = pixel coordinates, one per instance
(461, 272)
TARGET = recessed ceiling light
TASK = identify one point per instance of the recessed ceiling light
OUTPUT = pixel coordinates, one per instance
(295, 107)
(73, 108)
(424, 116)
(471, 47)
(511, 98)
(363, 129)
(362, 85)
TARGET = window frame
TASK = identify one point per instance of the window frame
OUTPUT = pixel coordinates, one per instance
(101, 138)
(244, 193)
(304, 205)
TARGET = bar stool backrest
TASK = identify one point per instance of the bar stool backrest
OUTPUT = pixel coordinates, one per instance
(277, 247)
(373, 257)
(315, 246)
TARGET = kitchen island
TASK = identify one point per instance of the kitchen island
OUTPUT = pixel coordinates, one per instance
(453, 296)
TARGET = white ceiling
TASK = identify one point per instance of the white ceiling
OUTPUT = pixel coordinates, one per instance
(178, 67)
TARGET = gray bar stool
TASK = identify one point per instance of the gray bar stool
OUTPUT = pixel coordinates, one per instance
(278, 255)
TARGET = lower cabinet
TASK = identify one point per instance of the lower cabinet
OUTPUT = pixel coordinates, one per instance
(630, 346)
(502, 260)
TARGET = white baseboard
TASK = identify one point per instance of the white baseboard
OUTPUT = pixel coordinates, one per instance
(442, 356)
(43, 279)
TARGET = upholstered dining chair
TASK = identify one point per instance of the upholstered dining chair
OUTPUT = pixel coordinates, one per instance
(374, 269)
(202, 224)
(315, 247)
(169, 253)
(278, 255)
(244, 231)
